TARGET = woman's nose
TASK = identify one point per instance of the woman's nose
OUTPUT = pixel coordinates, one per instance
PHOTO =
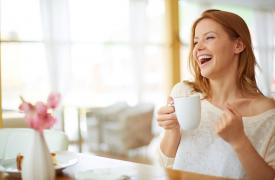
(200, 45)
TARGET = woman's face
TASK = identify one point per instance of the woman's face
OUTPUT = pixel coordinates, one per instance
(213, 50)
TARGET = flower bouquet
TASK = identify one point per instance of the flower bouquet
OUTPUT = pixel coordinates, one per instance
(39, 116)
(37, 162)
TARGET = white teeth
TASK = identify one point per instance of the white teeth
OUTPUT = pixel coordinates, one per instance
(204, 57)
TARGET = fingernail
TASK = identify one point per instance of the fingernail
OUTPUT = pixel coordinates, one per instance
(170, 104)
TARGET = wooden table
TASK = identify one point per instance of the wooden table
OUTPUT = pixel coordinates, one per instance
(135, 171)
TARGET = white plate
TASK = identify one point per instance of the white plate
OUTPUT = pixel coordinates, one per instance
(64, 160)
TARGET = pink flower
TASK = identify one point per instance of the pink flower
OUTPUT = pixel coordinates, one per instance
(41, 108)
(26, 107)
(53, 100)
(38, 117)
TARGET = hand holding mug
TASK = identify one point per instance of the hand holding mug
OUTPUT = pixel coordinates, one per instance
(166, 116)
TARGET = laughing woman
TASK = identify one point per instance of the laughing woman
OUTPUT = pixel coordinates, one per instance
(236, 136)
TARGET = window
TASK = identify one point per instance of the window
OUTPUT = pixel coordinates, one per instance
(24, 66)
(93, 53)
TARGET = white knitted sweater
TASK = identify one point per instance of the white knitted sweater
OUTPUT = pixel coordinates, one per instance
(202, 151)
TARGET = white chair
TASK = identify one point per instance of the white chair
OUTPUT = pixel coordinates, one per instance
(96, 118)
(129, 129)
(17, 140)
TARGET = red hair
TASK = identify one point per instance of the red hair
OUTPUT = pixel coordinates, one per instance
(235, 27)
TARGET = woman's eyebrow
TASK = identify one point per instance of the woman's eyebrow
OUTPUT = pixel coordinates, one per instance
(205, 34)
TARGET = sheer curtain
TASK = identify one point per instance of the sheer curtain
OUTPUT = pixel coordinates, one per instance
(264, 48)
(101, 52)
(24, 67)
(56, 37)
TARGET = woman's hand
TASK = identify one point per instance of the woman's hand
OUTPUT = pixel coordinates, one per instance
(166, 117)
(230, 127)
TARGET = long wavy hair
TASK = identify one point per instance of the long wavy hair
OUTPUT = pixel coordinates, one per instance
(235, 27)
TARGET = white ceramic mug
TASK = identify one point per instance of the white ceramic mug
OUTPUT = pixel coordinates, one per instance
(188, 111)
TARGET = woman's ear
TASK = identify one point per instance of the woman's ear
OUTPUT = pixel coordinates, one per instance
(238, 46)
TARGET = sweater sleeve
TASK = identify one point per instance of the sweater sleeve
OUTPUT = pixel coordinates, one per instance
(270, 154)
(164, 160)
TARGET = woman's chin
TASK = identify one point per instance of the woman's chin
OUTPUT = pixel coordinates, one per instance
(205, 74)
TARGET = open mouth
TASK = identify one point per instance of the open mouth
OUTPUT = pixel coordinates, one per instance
(204, 59)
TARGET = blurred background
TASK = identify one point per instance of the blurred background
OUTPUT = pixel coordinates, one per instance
(114, 63)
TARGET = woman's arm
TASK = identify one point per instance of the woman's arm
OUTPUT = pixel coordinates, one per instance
(230, 128)
(253, 163)
(167, 119)
(170, 142)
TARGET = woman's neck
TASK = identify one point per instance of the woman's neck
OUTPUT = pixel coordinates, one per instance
(224, 91)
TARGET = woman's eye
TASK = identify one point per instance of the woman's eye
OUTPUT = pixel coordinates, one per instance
(210, 37)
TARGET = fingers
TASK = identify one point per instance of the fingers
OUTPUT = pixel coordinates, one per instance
(228, 114)
(168, 124)
(221, 124)
(230, 126)
(166, 117)
(170, 100)
(166, 110)
(233, 109)
(231, 112)
(228, 118)
(169, 108)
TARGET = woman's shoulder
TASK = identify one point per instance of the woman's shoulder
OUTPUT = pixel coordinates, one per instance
(262, 104)
(183, 88)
